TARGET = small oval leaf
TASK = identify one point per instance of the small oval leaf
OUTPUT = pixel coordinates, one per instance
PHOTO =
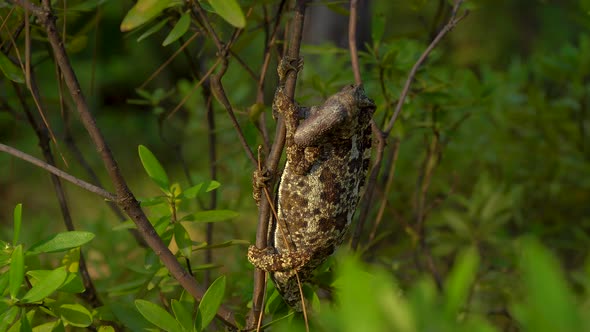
(230, 11)
(75, 315)
(180, 28)
(17, 271)
(61, 242)
(157, 315)
(46, 286)
(153, 168)
(210, 303)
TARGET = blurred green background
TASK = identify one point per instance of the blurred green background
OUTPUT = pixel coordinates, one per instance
(493, 139)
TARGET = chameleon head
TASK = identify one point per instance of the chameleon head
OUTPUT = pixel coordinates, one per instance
(358, 95)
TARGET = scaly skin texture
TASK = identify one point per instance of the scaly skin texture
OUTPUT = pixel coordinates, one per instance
(328, 150)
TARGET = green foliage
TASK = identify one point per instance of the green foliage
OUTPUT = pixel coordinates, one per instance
(10, 70)
(210, 303)
(483, 228)
(230, 11)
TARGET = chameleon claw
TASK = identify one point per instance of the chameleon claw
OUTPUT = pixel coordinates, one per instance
(288, 64)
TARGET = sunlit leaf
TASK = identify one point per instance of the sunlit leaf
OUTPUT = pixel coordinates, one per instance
(72, 284)
(230, 11)
(8, 317)
(17, 270)
(46, 286)
(75, 315)
(180, 28)
(193, 191)
(157, 316)
(153, 168)
(210, 303)
(182, 312)
(71, 260)
(61, 242)
(18, 218)
(142, 12)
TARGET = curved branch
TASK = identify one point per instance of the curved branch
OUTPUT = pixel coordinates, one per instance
(125, 197)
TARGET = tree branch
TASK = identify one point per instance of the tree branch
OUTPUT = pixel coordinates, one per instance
(273, 160)
(125, 197)
(54, 170)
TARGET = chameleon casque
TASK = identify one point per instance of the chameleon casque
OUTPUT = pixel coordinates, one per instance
(328, 150)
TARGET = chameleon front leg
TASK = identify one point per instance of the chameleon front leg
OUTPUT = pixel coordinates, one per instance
(283, 105)
(269, 260)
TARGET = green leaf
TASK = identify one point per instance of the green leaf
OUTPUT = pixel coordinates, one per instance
(157, 316)
(549, 304)
(17, 271)
(460, 279)
(210, 303)
(193, 191)
(25, 325)
(75, 315)
(182, 312)
(61, 242)
(106, 328)
(153, 201)
(46, 286)
(72, 284)
(210, 216)
(153, 29)
(142, 12)
(10, 70)
(153, 168)
(183, 240)
(230, 11)
(180, 28)
(8, 317)
(4, 280)
(127, 314)
(18, 217)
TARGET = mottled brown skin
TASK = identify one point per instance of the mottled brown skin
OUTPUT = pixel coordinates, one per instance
(328, 151)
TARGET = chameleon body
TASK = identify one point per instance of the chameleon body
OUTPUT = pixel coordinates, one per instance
(328, 151)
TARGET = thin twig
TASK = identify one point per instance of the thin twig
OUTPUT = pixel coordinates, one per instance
(381, 136)
(125, 197)
(54, 170)
(453, 20)
(354, 57)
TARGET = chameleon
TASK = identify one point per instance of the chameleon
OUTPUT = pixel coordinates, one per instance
(328, 149)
